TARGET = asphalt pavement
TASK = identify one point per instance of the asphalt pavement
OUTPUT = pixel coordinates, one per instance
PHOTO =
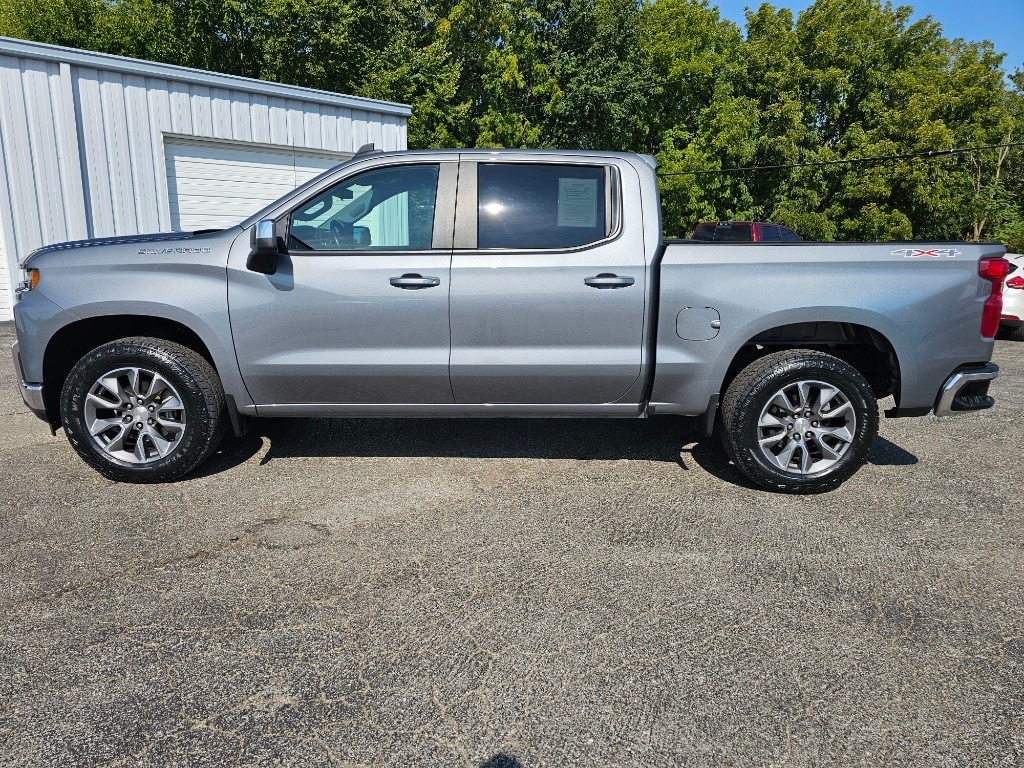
(506, 594)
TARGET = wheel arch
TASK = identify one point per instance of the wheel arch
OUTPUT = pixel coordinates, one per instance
(73, 341)
(864, 347)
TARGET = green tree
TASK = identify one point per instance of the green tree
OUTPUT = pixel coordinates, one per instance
(58, 22)
(602, 74)
(699, 118)
(844, 80)
(857, 79)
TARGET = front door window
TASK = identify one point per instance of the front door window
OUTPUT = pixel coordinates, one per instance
(384, 209)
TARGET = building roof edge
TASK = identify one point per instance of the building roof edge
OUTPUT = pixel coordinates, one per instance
(29, 49)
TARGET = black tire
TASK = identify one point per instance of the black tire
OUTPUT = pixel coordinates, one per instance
(1015, 332)
(751, 396)
(188, 375)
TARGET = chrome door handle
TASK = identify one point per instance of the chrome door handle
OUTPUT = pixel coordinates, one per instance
(412, 281)
(608, 280)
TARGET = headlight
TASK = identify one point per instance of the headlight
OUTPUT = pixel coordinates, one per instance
(27, 285)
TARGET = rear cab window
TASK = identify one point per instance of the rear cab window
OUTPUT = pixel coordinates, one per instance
(724, 232)
(704, 232)
(734, 233)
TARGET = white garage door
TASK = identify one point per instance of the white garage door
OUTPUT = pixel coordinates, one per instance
(214, 184)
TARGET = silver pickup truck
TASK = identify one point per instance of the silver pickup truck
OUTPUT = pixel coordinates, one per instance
(498, 284)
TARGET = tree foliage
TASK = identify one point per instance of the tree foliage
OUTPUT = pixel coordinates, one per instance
(845, 79)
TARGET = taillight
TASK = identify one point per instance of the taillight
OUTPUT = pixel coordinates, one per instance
(1015, 282)
(994, 269)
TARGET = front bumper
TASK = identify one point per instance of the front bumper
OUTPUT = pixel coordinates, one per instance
(967, 390)
(32, 394)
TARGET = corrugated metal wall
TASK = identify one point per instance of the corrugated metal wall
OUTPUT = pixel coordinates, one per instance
(82, 147)
(41, 186)
(5, 287)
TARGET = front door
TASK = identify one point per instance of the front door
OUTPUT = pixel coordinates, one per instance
(358, 309)
(547, 292)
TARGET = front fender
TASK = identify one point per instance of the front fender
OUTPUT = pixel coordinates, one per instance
(211, 327)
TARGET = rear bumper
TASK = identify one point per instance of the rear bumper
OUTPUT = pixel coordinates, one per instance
(31, 393)
(967, 390)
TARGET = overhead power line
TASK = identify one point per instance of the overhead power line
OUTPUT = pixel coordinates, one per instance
(849, 160)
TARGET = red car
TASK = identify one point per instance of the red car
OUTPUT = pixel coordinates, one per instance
(744, 231)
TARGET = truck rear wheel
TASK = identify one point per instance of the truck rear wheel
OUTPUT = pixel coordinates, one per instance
(799, 421)
(143, 410)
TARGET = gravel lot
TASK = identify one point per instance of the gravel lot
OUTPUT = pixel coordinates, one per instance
(506, 594)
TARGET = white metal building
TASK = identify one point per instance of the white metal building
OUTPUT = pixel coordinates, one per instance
(93, 145)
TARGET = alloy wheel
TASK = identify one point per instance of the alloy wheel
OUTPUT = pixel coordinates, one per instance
(134, 415)
(806, 427)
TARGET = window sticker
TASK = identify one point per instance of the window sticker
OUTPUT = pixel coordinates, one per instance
(577, 202)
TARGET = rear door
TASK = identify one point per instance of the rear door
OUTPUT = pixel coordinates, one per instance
(548, 282)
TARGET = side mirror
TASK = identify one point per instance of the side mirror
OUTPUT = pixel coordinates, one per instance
(263, 256)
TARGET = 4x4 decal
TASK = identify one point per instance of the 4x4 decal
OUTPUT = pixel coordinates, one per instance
(934, 253)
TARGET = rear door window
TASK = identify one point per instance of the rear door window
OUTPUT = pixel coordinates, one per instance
(769, 233)
(535, 206)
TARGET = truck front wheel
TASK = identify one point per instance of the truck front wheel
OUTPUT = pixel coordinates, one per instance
(799, 421)
(143, 410)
